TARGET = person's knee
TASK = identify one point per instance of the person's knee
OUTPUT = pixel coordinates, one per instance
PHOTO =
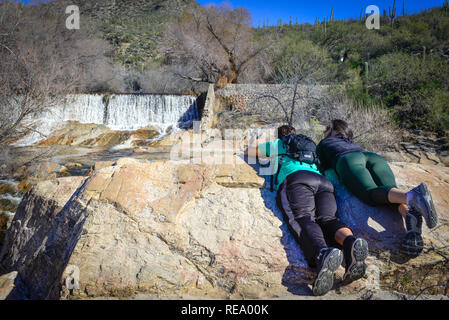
(331, 226)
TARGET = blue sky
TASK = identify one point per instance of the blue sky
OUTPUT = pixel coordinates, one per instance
(307, 11)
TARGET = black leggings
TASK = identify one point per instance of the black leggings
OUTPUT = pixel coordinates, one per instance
(308, 204)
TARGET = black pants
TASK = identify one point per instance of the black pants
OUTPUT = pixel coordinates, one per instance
(308, 204)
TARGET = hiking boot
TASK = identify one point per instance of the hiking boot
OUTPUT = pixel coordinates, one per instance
(420, 200)
(328, 262)
(355, 256)
(413, 243)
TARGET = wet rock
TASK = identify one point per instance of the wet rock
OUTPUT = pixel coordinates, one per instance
(146, 133)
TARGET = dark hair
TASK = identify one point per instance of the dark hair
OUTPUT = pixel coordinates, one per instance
(341, 127)
(285, 131)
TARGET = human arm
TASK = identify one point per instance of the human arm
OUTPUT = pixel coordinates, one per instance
(256, 147)
(323, 164)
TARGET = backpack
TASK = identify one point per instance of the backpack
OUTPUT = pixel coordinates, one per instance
(300, 148)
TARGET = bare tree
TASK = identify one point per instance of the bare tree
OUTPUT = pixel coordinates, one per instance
(300, 96)
(38, 65)
(297, 86)
(217, 42)
(372, 125)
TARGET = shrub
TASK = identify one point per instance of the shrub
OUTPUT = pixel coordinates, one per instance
(372, 124)
(413, 87)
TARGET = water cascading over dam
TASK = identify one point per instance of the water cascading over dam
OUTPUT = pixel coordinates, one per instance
(124, 112)
(130, 112)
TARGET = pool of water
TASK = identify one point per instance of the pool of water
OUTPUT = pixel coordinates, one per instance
(78, 160)
(10, 198)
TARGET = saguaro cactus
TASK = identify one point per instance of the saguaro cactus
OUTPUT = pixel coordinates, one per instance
(392, 12)
(325, 26)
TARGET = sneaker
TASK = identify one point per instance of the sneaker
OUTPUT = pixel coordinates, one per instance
(328, 261)
(413, 221)
(420, 200)
(413, 243)
(355, 260)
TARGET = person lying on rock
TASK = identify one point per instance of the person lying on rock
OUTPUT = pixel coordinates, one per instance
(308, 204)
(369, 177)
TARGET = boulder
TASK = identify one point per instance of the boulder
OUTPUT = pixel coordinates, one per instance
(93, 135)
(5, 222)
(75, 133)
(173, 139)
(7, 284)
(40, 171)
(146, 133)
(384, 229)
(174, 228)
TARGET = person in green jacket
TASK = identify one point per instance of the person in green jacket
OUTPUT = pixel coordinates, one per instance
(369, 177)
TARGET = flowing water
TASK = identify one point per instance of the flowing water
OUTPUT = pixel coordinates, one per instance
(123, 112)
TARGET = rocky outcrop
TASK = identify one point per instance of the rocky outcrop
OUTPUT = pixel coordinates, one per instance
(7, 284)
(173, 228)
(94, 135)
(384, 229)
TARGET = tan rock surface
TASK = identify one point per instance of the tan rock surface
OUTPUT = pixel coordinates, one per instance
(172, 228)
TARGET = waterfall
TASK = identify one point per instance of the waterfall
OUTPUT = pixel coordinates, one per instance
(85, 108)
(126, 112)
(131, 112)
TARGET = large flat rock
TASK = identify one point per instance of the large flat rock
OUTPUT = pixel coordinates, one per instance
(172, 228)
(148, 228)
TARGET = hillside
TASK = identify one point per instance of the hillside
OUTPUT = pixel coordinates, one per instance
(404, 66)
(133, 28)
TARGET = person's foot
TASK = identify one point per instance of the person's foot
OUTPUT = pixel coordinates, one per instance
(356, 253)
(328, 262)
(413, 243)
(420, 200)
